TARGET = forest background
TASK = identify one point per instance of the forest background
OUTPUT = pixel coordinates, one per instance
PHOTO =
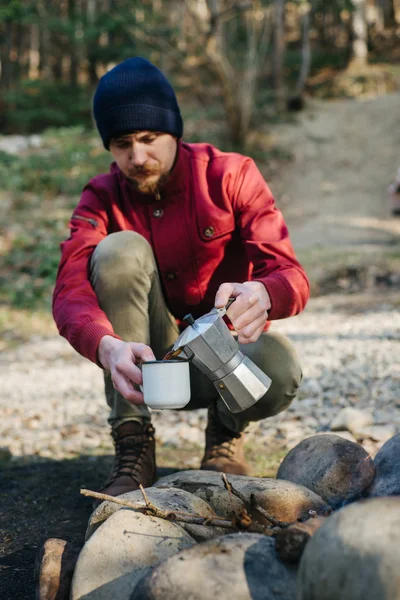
(240, 68)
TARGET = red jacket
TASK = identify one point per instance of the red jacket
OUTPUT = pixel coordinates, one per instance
(216, 222)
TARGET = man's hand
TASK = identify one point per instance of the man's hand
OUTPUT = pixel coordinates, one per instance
(119, 358)
(249, 312)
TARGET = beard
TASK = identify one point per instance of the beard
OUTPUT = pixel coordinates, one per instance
(148, 179)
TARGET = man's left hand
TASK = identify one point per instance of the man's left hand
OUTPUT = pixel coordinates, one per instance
(249, 312)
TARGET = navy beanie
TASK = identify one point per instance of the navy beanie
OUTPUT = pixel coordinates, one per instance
(135, 95)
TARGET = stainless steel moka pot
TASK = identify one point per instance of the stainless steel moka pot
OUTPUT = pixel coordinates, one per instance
(210, 345)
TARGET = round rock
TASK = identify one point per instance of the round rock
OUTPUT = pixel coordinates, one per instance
(387, 470)
(334, 468)
(243, 566)
(169, 499)
(352, 419)
(208, 486)
(120, 552)
(354, 555)
(284, 500)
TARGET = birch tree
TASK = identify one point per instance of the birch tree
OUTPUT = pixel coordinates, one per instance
(359, 34)
(236, 73)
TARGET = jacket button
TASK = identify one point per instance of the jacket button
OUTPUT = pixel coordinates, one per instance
(158, 212)
(209, 231)
(170, 276)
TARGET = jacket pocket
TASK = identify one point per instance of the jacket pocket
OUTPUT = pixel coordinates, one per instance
(213, 226)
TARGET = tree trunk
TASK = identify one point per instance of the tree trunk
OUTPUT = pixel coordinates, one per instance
(73, 67)
(91, 46)
(44, 53)
(222, 67)
(17, 50)
(388, 12)
(305, 53)
(359, 34)
(279, 53)
(34, 51)
(6, 67)
(44, 42)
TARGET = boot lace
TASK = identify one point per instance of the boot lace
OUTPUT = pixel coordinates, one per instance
(131, 451)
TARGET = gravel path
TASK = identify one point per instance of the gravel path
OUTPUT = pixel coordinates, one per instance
(52, 399)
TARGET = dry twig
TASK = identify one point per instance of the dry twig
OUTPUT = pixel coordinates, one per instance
(253, 504)
(178, 516)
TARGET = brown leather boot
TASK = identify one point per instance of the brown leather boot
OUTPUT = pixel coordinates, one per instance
(224, 448)
(135, 460)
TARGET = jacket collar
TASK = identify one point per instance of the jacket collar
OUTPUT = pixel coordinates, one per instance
(176, 183)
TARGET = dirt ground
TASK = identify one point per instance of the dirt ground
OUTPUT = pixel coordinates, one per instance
(334, 194)
(39, 501)
(346, 154)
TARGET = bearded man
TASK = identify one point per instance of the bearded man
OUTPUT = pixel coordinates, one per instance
(173, 228)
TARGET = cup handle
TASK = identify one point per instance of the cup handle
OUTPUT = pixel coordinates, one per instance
(139, 366)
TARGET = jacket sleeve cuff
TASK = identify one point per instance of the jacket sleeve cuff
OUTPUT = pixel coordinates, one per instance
(281, 294)
(89, 339)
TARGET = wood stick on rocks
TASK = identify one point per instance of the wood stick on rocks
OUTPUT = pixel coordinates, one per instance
(182, 517)
(253, 504)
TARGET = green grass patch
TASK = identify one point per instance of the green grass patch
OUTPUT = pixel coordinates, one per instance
(66, 160)
(18, 326)
(43, 185)
(31, 253)
(263, 459)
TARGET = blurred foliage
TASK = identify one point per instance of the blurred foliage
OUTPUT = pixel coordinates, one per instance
(65, 161)
(44, 184)
(78, 41)
(30, 268)
(37, 105)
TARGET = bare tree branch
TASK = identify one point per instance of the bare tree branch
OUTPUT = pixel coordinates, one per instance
(182, 517)
(253, 503)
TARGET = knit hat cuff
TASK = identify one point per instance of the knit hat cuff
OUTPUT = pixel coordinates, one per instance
(131, 117)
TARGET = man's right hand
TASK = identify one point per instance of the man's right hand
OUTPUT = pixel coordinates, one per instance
(120, 359)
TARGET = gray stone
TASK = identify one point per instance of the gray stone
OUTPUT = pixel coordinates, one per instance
(346, 435)
(352, 419)
(121, 551)
(334, 468)
(284, 500)
(171, 499)
(387, 470)
(240, 566)
(377, 433)
(207, 485)
(354, 555)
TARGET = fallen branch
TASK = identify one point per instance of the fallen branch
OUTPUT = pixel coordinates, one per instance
(253, 504)
(267, 515)
(181, 517)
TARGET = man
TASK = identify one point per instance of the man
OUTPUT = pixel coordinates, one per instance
(173, 228)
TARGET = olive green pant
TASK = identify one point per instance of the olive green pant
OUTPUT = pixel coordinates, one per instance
(124, 276)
